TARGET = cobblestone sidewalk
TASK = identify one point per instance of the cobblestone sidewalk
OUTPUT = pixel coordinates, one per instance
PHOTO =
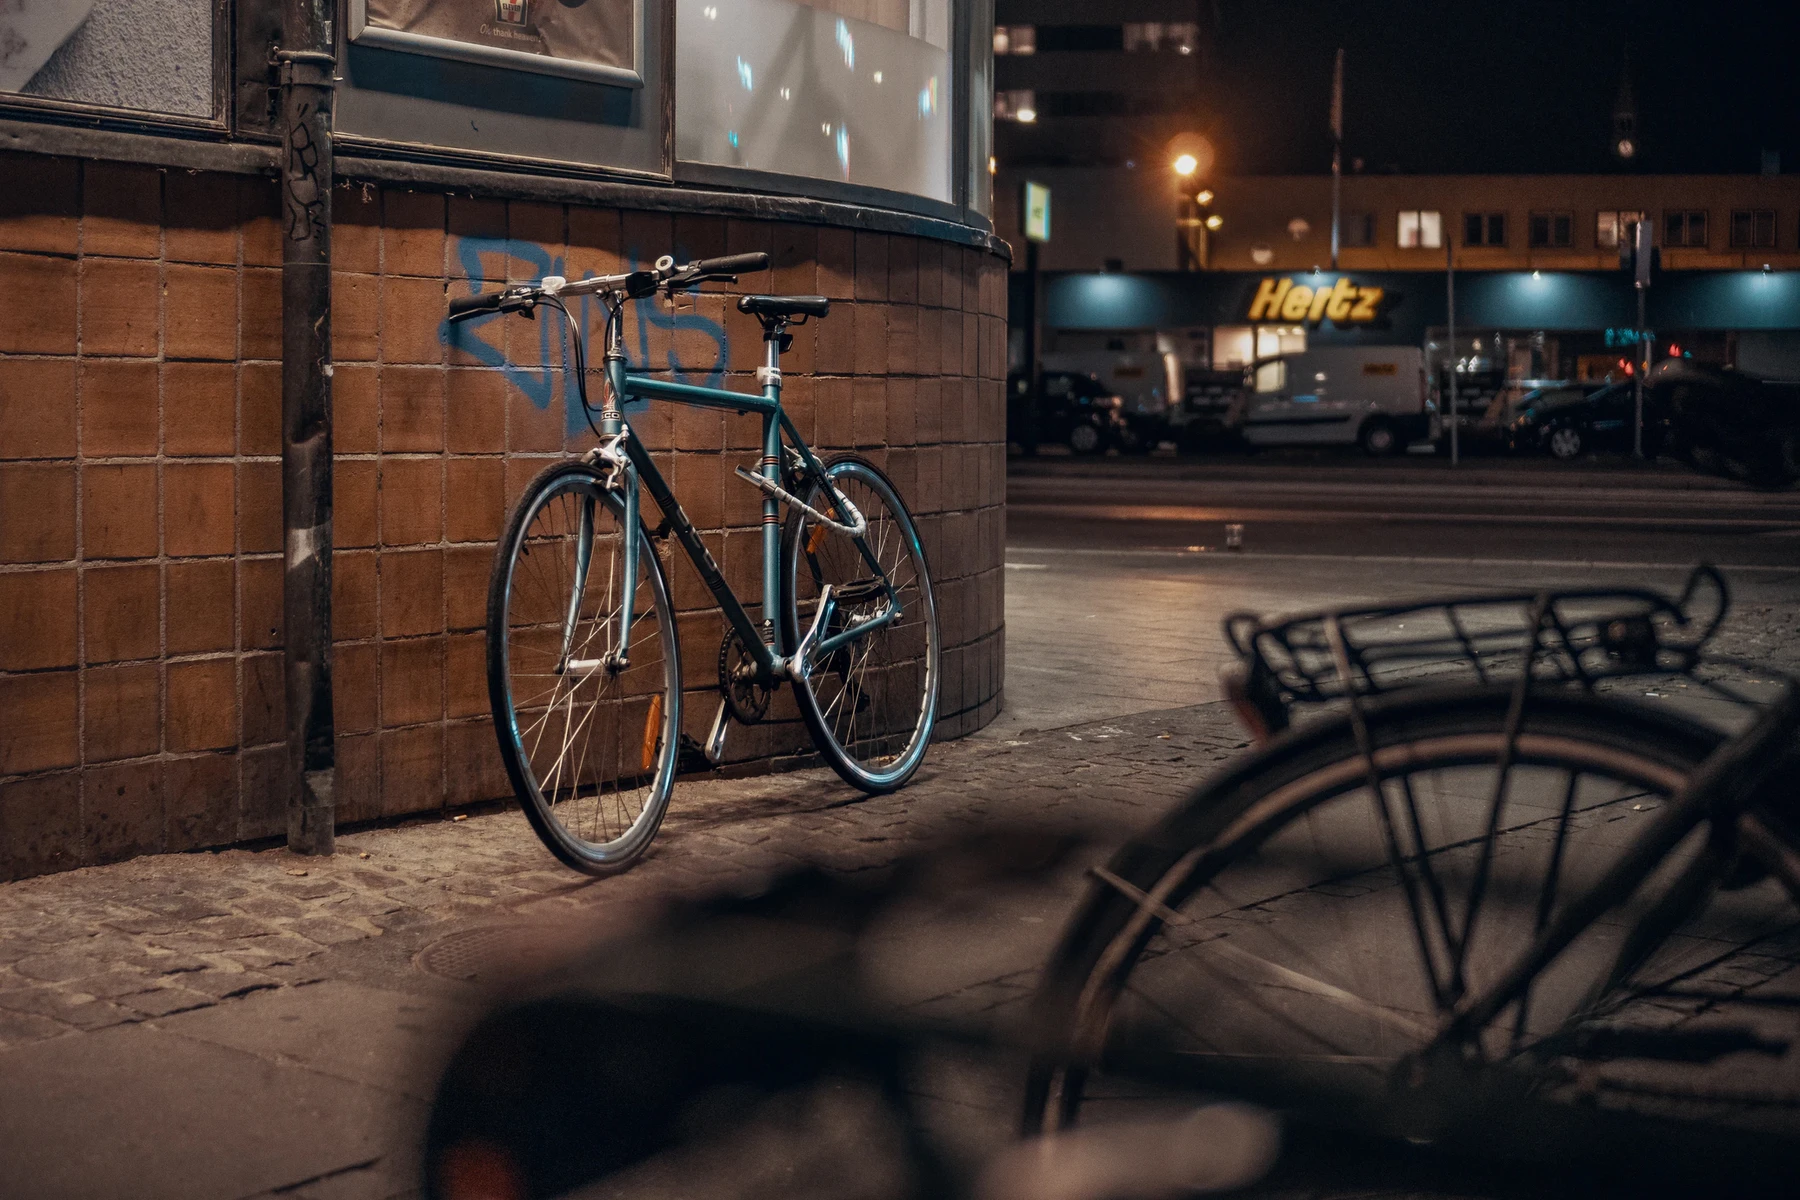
(104, 946)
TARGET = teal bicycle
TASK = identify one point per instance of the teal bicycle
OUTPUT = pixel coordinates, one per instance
(583, 658)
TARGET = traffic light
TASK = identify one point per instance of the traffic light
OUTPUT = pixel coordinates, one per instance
(1638, 257)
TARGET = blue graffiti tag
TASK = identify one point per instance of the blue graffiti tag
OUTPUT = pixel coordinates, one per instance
(538, 384)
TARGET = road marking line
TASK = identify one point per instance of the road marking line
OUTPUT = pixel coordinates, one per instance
(1415, 559)
(1184, 512)
(1012, 566)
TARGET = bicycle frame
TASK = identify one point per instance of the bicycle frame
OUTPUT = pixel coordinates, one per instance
(773, 657)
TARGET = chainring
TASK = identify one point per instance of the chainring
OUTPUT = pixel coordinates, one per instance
(745, 694)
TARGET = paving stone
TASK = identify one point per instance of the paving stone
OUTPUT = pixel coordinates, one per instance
(165, 1001)
(18, 1029)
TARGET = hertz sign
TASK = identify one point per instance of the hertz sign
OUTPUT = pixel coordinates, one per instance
(1343, 302)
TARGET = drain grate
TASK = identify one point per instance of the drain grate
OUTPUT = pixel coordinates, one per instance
(490, 953)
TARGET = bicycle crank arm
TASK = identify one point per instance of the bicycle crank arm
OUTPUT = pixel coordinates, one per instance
(859, 524)
(715, 739)
(798, 666)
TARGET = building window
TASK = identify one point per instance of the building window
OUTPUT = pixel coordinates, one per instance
(1358, 229)
(1421, 230)
(1015, 39)
(1753, 229)
(1080, 37)
(1175, 37)
(1484, 229)
(1551, 231)
(1018, 104)
(1611, 227)
(1684, 227)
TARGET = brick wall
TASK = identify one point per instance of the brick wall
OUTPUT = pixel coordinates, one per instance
(140, 497)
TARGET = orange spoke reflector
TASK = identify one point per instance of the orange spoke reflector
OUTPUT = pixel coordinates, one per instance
(650, 725)
(816, 538)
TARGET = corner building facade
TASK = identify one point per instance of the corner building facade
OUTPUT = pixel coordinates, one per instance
(142, 700)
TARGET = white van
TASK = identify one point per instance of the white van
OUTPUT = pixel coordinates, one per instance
(1371, 396)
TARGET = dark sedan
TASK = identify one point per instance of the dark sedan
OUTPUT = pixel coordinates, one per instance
(1570, 422)
(1073, 408)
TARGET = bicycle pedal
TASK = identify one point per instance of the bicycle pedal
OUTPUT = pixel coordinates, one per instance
(715, 739)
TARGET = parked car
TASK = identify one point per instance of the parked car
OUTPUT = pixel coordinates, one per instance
(1568, 421)
(1072, 407)
(1368, 396)
(1726, 422)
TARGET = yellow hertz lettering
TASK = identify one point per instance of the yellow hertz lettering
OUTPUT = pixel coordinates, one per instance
(1267, 305)
(1342, 303)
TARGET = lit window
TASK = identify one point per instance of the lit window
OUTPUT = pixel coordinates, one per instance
(1174, 37)
(1019, 104)
(1421, 230)
(1610, 228)
(1753, 228)
(1551, 230)
(1015, 39)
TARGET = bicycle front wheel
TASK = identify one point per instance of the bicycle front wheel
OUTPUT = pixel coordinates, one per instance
(590, 743)
(1303, 927)
(869, 698)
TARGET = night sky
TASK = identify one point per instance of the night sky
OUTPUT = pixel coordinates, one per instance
(1498, 86)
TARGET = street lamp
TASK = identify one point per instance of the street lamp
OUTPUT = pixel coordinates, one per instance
(1186, 165)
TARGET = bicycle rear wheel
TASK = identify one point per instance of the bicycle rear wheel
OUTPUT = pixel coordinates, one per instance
(870, 703)
(1292, 936)
(590, 747)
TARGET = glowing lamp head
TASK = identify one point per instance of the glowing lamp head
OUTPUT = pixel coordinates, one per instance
(1027, 116)
(1214, 221)
(1186, 164)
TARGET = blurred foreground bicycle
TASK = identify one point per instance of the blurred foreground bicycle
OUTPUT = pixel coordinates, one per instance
(1489, 902)
(584, 665)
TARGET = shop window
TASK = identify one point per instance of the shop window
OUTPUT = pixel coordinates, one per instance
(1271, 377)
(1272, 340)
(826, 89)
(1016, 104)
(1484, 229)
(1551, 230)
(1358, 229)
(1421, 230)
(1015, 39)
(1610, 228)
(1171, 37)
(1753, 229)
(109, 54)
(1684, 227)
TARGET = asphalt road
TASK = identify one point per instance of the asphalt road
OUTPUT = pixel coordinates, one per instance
(1118, 576)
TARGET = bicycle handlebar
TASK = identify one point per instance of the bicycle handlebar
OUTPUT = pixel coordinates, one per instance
(635, 285)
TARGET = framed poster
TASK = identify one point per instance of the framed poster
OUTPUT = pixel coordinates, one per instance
(598, 40)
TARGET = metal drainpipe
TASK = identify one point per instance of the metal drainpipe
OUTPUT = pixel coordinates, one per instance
(306, 67)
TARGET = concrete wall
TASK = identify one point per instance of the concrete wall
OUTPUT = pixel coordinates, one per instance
(141, 698)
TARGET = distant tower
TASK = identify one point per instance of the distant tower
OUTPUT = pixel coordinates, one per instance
(1625, 142)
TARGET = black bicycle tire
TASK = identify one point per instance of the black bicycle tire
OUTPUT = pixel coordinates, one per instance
(560, 842)
(822, 736)
(1104, 912)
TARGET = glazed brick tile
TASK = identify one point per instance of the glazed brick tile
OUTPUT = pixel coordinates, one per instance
(465, 676)
(120, 306)
(202, 606)
(259, 507)
(37, 722)
(264, 713)
(412, 681)
(37, 512)
(356, 229)
(36, 418)
(119, 409)
(412, 769)
(259, 408)
(203, 218)
(474, 410)
(353, 602)
(48, 324)
(355, 409)
(475, 217)
(37, 619)
(40, 824)
(466, 571)
(594, 242)
(475, 499)
(118, 511)
(199, 508)
(124, 712)
(121, 210)
(412, 233)
(260, 220)
(261, 329)
(355, 502)
(412, 593)
(412, 311)
(931, 273)
(41, 206)
(412, 501)
(535, 228)
(355, 694)
(122, 811)
(871, 266)
(355, 317)
(202, 705)
(646, 236)
(412, 409)
(199, 411)
(200, 801)
(122, 613)
(260, 604)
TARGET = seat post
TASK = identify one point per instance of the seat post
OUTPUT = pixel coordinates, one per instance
(770, 377)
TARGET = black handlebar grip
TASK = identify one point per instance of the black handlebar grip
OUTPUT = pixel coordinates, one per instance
(468, 306)
(733, 264)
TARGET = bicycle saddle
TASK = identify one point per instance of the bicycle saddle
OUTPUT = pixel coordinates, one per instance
(784, 306)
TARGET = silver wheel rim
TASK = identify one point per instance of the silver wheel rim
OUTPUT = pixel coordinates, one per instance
(1565, 443)
(1084, 438)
